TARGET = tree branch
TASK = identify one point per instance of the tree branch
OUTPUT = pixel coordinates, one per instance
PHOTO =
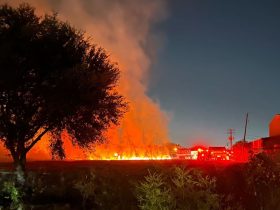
(33, 133)
(13, 152)
(36, 140)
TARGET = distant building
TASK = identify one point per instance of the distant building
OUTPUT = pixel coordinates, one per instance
(270, 144)
(274, 126)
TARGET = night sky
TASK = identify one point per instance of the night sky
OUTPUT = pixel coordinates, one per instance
(219, 60)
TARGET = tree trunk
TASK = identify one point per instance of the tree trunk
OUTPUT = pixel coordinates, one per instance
(19, 164)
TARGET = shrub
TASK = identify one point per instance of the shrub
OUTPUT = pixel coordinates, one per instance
(153, 193)
(35, 184)
(263, 182)
(13, 194)
(86, 187)
(192, 190)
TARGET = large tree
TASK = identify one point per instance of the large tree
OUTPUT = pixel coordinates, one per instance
(52, 80)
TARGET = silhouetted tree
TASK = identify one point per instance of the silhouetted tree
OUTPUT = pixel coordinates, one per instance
(52, 79)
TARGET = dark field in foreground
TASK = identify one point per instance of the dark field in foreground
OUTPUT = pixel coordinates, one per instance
(114, 181)
(129, 166)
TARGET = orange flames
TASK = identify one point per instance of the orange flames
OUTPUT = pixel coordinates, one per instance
(125, 34)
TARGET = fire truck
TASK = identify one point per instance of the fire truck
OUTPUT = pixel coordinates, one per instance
(204, 153)
(219, 153)
(183, 153)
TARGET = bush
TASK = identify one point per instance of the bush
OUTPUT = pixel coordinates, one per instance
(86, 187)
(184, 190)
(192, 190)
(153, 193)
(263, 182)
(35, 184)
(13, 194)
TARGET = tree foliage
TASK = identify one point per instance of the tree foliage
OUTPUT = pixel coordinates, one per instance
(52, 80)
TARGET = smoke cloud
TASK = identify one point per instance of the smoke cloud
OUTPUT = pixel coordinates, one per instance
(124, 29)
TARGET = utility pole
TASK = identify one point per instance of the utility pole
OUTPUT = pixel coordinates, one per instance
(245, 131)
(230, 137)
(244, 153)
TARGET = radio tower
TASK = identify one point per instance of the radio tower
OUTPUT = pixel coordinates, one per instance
(230, 137)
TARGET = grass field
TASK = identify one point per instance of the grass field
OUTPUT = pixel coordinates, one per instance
(114, 181)
(130, 166)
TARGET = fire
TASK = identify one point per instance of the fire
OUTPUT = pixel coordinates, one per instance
(143, 131)
(108, 151)
(118, 157)
(117, 149)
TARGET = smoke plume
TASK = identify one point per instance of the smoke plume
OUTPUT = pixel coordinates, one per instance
(124, 29)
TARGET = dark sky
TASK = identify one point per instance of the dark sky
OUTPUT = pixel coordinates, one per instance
(220, 59)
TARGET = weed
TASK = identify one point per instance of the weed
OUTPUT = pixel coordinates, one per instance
(153, 194)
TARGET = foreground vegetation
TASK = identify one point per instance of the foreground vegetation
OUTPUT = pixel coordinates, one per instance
(145, 185)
